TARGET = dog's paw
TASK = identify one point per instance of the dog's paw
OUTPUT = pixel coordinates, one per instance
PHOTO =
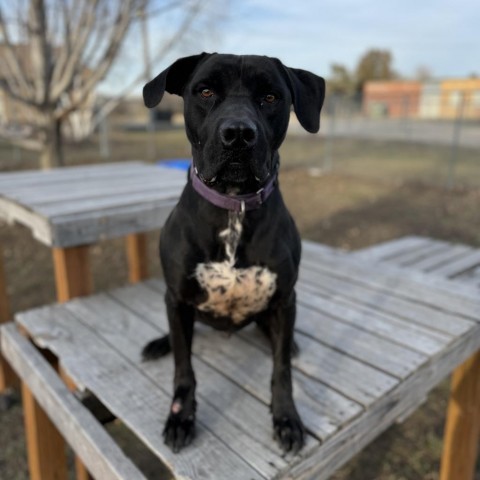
(179, 431)
(156, 348)
(289, 433)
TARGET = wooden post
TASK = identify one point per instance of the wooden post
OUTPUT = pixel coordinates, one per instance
(8, 379)
(81, 472)
(45, 446)
(73, 279)
(137, 257)
(462, 427)
(72, 272)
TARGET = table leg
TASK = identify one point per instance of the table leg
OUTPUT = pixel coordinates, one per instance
(72, 272)
(462, 427)
(137, 257)
(73, 279)
(8, 379)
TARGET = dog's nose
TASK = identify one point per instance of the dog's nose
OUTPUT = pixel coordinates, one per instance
(238, 133)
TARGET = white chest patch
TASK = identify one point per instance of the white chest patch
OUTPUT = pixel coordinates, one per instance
(234, 292)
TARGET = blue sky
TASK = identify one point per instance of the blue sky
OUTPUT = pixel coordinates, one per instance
(442, 35)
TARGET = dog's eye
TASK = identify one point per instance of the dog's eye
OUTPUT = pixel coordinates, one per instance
(270, 98)
(206, 93)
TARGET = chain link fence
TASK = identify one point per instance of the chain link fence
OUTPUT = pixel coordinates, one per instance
(433, 139)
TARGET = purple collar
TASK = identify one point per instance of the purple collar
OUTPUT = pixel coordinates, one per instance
(237, 203)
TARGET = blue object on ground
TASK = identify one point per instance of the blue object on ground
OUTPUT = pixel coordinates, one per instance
(178, 163)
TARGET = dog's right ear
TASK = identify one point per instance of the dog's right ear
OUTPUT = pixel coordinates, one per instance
(172, 79)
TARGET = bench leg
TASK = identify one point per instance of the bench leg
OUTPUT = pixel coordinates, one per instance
(462, 427)
(137, 257)
(8, 379)
(81, 472)
(45, 446)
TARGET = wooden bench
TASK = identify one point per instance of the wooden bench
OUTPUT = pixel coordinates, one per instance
(422, 254)
(374, 340)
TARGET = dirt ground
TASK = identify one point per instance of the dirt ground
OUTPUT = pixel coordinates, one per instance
(337, 209)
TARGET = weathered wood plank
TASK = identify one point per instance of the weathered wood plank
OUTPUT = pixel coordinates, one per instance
(245, 420)
(439, 258)
(41, 177)
(459, 266)
(352, 439)
(76, 206)
(324, 407)
(242, 421)
(111, 201)
(79, 190)
(14, 212)
(385, 301)
(440, 283)
(91, 442)
(385, 355)
(90, 227)
(141, 403)
(392, 281)
(398, 360)
(405, 333)
(419, 254)
(240, 359)
(390, 248)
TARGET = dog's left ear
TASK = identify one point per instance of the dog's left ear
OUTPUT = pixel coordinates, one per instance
(308, 93)
(172, 79)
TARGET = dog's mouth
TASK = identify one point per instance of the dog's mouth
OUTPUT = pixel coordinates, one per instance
(239, 169)
(235, 173)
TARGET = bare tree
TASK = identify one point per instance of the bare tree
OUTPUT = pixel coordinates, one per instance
(53, 55)
(375, 64)
(423, 73)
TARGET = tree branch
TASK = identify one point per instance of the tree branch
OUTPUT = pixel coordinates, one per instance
(112, 103)
(40, 51)
(11, 59)
(122, 23)
(80, 37)
(65, 50)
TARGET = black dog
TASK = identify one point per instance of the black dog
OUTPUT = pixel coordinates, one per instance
(230, 250)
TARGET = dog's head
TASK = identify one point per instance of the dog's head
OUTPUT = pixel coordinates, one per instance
(237, 111)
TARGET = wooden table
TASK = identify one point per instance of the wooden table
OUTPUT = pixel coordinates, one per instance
(374, 340)
(71, 208)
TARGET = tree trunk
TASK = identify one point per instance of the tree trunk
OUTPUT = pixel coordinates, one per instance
(52, 151)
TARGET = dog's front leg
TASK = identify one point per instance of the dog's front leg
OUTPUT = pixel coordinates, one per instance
(180, 425)
(287, 425)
